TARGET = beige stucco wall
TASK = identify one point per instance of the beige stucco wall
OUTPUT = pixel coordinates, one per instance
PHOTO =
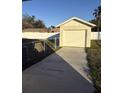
(70, 29)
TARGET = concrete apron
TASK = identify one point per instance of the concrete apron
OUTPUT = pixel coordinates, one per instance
(76, 58)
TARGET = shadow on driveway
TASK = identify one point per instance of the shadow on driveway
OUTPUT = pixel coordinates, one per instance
(54, 75)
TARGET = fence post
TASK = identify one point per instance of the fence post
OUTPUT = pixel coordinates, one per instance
(55, 42)
(44, 45)
(99, 35)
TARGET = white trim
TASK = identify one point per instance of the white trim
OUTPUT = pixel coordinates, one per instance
(76, 18)
(37, 35)
(95, 35)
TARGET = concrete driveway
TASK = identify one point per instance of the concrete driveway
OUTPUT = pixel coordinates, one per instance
(61, 72)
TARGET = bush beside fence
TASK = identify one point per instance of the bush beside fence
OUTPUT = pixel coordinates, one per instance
(94, 63)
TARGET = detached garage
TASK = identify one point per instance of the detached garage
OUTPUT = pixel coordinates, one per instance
(75, 32)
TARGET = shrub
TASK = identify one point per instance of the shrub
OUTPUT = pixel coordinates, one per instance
(94, 63)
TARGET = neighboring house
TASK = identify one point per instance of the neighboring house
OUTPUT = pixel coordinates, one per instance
(56, 29)
(40, 30)
(75, 32)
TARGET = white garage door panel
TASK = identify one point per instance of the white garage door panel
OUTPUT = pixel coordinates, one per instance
(74, 38)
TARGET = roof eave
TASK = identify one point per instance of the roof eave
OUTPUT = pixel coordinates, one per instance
(88, 23)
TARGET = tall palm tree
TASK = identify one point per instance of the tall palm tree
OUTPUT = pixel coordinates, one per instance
(97, 15)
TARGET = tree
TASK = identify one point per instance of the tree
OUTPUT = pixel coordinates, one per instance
(97, 19)
(26, 25)
(27, 21)
(51, 27)
(96, 28)
(97, 15)
(31, 22)
(39, 24)
(97, 12)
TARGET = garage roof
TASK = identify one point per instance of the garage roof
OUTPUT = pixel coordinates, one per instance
(78, 19)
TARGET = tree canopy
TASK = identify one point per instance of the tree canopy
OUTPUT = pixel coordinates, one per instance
(31, 22)
(51, 27)
(97, 19)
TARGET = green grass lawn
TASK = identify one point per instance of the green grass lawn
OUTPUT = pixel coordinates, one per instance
(94, 63)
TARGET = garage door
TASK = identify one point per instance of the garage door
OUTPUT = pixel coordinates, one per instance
(74, 38)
